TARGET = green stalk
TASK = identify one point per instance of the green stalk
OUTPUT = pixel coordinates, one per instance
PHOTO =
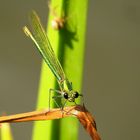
(5, 132)
(74, 57)
(69, 45)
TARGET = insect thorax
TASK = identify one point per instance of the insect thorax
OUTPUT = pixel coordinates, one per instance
(65, 85)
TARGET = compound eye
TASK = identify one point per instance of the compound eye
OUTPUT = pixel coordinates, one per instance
(76, 94)
(66, 95)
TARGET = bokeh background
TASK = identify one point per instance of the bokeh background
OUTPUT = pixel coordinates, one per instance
(111, 81)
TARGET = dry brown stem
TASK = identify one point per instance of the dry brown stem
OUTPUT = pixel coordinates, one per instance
(78, 111)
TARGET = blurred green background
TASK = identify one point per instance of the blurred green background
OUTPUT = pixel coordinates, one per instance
(111, 74)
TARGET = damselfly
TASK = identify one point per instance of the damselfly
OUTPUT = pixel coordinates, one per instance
(39, 37)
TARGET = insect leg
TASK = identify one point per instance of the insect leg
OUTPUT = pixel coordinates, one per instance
(64, 104)
(54, 97)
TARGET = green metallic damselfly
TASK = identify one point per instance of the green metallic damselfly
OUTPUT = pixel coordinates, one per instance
(39, 37)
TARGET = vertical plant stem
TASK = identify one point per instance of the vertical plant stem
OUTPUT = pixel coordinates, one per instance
(45, 130)
(5, 132)
(69, 45)
(74, 46)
